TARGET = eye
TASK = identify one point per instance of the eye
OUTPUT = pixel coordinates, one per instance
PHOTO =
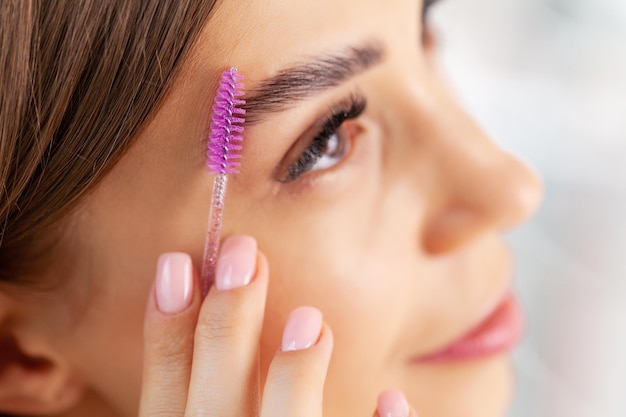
(426, 8)
(428, 37)
(331, 144)
(332, 150)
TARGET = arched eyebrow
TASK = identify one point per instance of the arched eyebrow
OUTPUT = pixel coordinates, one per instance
(291, 85)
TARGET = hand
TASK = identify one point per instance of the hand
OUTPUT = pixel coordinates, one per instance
(201, 357)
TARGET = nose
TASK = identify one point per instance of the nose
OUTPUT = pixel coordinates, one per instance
(475, 187)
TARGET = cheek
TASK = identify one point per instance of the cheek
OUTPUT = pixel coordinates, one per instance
(103, 339)
(327, 257)
(354, 300)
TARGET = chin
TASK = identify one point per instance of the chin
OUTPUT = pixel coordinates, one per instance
(476, 388)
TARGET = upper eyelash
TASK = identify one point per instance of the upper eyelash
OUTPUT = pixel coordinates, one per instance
(348, 110)
(426, 6)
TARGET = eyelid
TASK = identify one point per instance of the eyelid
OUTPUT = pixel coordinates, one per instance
(353, 102)
(300, 145)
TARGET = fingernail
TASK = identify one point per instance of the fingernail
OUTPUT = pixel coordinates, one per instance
(174, 282)
(302, 329)
(392, 403)
(236, 263)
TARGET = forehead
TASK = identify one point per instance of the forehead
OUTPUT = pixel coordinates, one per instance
(261, 37)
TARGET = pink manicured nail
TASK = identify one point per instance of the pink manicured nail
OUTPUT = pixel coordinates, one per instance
(174, 282)
(302, 329)
(392, 403)
(236, 263)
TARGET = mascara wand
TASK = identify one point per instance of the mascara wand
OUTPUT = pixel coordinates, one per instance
(222, 159)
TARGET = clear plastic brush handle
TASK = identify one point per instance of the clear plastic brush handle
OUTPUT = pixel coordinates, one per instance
(212, 242)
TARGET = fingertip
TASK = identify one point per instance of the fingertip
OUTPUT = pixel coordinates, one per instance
(237, 262)
(393, 403)
(303, 329)
(174, 284)
(169, 326)
(174, 292)
(296, 377)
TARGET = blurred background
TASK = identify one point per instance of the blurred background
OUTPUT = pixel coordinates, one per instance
(547, 79)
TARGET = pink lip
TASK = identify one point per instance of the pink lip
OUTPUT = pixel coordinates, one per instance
(499, 332)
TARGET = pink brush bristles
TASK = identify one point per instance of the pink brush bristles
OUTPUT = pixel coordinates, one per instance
(226, 125)
(222, 159)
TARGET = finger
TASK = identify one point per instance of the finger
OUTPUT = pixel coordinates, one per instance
(295, 380)
(393, 403)
(169, 326)
(224, 377)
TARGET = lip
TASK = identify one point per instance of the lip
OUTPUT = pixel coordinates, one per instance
(499, 332)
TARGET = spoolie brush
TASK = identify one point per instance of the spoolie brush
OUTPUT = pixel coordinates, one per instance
(222, 159)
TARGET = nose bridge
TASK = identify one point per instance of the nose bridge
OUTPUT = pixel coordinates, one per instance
(473, 184)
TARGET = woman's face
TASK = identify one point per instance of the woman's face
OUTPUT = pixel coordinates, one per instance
(390, 223)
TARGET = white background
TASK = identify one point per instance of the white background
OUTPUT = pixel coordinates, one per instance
(547, 79)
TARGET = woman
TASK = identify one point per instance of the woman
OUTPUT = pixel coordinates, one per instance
(365, 193)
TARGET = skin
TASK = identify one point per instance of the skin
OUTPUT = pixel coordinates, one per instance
(399, 244)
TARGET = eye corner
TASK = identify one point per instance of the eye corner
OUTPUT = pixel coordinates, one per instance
(429, 37)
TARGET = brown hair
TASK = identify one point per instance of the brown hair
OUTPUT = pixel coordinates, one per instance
(78, 79)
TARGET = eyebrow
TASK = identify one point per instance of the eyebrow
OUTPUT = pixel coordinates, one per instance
(292, 85)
